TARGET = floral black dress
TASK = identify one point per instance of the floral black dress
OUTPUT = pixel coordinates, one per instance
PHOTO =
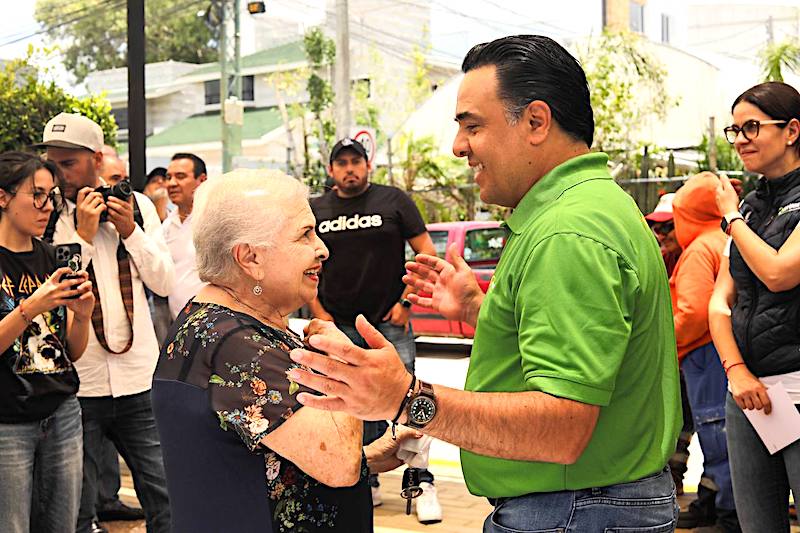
(219, 388)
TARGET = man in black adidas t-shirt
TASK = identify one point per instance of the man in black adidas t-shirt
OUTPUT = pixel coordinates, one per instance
(365, 227)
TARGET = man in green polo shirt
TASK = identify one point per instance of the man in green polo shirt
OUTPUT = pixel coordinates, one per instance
(572, 406)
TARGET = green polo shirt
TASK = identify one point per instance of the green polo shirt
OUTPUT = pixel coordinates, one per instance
(579, 308)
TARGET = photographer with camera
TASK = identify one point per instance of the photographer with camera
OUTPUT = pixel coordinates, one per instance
(44, 325)
(123, 251)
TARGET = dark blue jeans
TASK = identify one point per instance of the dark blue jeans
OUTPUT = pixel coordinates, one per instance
(129, 423)
(403, 342)
(707, 387)
(648, 505)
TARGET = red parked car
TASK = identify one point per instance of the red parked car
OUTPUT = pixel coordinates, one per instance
(480, 244)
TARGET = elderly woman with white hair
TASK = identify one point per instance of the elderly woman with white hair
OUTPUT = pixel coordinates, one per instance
(241, 454)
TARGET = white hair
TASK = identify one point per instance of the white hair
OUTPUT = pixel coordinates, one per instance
(244, 206)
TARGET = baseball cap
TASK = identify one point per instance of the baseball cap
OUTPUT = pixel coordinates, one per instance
(348, 144)
(663, 210)
(69, 130)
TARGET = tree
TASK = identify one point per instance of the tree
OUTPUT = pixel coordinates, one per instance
(320, 53)
(626, 87)
(28, 101)
(93, 33)
(775, 57)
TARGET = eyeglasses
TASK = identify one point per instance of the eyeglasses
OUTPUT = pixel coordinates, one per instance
(749, 129)
(40, 198)
(663, 228)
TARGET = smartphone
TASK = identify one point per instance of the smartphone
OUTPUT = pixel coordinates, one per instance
(69, 255)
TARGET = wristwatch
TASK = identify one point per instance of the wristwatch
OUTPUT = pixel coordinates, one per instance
(405, 302)
(422, 407)
(728, 219)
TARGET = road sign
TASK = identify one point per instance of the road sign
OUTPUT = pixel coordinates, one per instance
(366, 136)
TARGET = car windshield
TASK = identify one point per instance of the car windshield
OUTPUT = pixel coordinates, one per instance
(483, 246)
(439, 239)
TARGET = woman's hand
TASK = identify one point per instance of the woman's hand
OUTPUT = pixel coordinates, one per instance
(323, 327)
(83, 305)
(727, 197)
(382, 453)
(57, 291)
(747, 390)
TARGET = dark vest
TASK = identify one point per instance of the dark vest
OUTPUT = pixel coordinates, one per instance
(766, 324)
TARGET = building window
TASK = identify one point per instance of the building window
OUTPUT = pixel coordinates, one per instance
(121, 117)
(665, 27)
(212, 90)
(636, 21)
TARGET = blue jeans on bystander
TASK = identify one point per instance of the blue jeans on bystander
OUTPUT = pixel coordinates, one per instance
(40, 472)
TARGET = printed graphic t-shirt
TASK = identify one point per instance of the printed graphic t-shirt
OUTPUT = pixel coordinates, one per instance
(36, 374)
(366, 238)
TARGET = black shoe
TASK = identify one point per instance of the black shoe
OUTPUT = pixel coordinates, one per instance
(97, 527)
(701, 512)
(117, 510)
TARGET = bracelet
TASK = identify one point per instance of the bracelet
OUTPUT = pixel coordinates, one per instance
(24, 314)
(408, 396)
(733, 365)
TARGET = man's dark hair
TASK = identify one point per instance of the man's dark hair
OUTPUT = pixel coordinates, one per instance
(199, 164)
(778, 100)
(534, 67)
(156, 172)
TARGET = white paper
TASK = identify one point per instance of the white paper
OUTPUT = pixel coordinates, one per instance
(414, 452)
(781, 427)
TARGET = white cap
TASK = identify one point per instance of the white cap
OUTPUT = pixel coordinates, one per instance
(663, 210)
(68, 130)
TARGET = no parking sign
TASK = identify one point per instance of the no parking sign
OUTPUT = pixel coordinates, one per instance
(366, 136)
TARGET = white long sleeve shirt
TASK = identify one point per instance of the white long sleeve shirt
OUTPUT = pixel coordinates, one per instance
(178, 236)
(103, 373)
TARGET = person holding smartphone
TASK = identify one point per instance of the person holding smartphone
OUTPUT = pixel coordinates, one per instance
(44, 327)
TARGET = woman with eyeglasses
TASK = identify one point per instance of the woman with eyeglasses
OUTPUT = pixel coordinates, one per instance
(754, 314)
(44, 326)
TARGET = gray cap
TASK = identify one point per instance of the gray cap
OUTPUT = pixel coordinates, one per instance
(69, 130)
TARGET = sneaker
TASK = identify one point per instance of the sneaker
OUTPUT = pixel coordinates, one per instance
(377, 500)
(429, 511)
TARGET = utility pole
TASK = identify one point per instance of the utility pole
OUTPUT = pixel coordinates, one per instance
(230, 82)
(712, 145)
(136, 101)
(770, 30)
(342, 70)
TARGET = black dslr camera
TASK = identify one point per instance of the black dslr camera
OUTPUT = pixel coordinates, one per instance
(121, 190)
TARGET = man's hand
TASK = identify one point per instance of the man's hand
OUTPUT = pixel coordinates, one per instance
(398, 316)
(89, 205)
(367, 384)
(454, 291)
(747, 390)
(120, 213)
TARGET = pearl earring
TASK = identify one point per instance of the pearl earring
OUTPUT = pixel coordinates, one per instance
(257, 290)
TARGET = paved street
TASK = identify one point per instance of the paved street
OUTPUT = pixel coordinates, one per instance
(463, 512)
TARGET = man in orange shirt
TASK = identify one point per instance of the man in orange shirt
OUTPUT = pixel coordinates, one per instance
(697, 229)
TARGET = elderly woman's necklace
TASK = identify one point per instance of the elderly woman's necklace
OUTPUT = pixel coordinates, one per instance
(261, 316)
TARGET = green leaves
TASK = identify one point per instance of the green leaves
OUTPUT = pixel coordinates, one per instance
(774, 58)
(28, 100)
(94, 33)
(216, 380)
(293, 387)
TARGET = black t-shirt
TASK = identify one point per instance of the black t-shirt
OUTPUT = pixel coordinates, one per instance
(36, 374)
(366, 238)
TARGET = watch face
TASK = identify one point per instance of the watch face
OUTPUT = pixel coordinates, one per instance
(422, 410)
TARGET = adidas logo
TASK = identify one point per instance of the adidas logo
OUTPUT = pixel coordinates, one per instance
(355, 222)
